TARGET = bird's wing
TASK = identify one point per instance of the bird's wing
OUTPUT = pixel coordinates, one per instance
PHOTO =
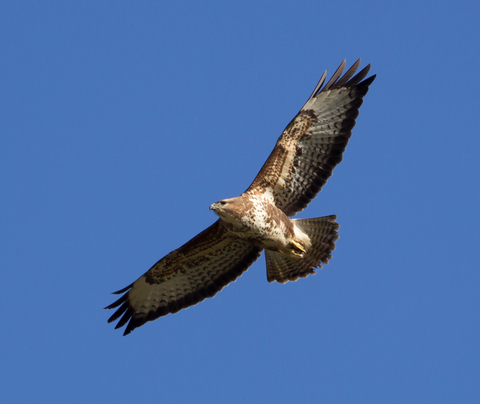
(313, 142)
(185, 277)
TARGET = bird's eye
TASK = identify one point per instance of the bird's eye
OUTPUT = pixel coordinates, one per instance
(222, 203)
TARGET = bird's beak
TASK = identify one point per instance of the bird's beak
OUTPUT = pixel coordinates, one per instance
(213, 206)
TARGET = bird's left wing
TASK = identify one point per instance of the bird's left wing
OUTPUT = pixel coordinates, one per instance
(313, 142)
(183, 278)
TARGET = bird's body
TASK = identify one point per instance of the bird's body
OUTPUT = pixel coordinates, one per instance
(302, 160)
(256, 219)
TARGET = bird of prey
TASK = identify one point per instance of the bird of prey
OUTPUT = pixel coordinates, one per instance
(302, 160)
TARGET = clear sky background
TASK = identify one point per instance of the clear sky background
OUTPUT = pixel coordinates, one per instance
(121, 122)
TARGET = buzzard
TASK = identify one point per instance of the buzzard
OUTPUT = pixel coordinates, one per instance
(301, 162)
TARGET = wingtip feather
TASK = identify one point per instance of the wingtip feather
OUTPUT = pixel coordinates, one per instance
(343, 80)
(335, 76)
(360, 76)
(319, 85)
(119, 292)
(337, 80)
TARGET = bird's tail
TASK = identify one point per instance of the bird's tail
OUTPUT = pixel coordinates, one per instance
(323, 234)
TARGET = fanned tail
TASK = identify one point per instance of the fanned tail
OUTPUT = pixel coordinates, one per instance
(323, 234)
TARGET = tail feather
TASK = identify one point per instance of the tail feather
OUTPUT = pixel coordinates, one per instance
(323, 234)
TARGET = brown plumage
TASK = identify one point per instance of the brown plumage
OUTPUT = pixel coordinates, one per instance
(300, 164)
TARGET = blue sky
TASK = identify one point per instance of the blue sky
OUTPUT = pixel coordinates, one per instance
(121, 122)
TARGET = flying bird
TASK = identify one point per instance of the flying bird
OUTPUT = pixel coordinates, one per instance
(300, 164)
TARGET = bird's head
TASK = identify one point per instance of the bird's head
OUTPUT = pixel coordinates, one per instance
(219, 206)
(225, 209)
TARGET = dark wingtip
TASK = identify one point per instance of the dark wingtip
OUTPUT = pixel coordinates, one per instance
(335, 76)
(348, 75)
(319, 85)
(118, 292)
(337, 80)
(117, 303)
(369, 81)
(360, 76)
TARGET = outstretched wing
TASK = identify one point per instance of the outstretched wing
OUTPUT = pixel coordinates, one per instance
(313, 142)
(185, 277)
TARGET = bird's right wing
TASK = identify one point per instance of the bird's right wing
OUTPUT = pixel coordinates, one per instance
(312, 144)
(183, 278)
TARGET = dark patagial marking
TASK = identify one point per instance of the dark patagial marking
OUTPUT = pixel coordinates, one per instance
(299, 126)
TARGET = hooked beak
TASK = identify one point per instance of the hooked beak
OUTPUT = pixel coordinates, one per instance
(213, 206)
